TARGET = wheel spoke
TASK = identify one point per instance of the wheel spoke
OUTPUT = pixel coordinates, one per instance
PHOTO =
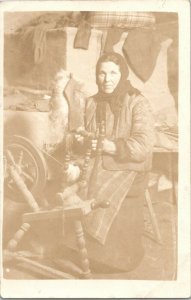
(20, 158)
(27, 176)
(10, 157)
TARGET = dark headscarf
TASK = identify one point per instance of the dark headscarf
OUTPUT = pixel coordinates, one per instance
(115, 99)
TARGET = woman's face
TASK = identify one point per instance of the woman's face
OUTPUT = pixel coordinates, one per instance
(108, 76)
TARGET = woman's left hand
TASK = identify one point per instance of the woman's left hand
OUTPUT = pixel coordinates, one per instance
(109, 147)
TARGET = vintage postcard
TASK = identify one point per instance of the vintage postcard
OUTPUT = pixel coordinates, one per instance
(95, 190)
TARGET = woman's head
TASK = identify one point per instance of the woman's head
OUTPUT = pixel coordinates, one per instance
(111, 72)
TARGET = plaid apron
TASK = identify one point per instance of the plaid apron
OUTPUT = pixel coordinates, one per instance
(112, 186)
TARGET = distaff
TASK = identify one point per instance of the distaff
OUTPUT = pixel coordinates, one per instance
(92, 185)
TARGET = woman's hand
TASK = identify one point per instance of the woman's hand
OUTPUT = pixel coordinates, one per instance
(107, 146)
(78, 136)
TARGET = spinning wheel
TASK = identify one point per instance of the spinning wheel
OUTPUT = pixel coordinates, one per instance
(28, 161)
(26, 172)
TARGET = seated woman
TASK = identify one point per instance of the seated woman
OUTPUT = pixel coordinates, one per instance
(113, 234)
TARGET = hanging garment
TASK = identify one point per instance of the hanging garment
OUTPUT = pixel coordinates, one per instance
(141, 49)
(82, 37)
(113, 36)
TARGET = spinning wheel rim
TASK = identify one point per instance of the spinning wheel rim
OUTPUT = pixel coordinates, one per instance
(22, 144)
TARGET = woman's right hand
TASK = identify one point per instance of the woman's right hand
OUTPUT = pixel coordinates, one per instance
(78, 136)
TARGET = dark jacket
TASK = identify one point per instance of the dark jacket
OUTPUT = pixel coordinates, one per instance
(134, 137)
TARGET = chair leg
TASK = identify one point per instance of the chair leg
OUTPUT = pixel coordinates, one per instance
(82, 249)
(13, 243)
(153, 217)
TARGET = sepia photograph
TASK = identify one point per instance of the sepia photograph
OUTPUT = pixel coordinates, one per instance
(91, 138)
